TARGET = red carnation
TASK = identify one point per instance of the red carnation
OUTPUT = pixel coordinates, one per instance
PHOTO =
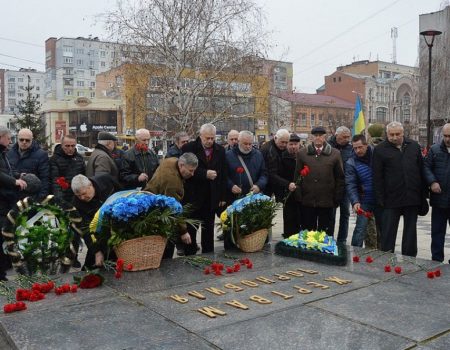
(91, 281)
(237, 267)
(130, 267)
(118, 274)
(217, 273)
(240, 170)
(74, 288)
(437, 273)
(305, 171)
(369, 260)
(430, 274)
(230, 269)
(61, 181)
(398, 269)
(141, 147)
(250, 265)
(387, 268)
(8, 308)
(206, 271)
(20, 305)
(356, 259)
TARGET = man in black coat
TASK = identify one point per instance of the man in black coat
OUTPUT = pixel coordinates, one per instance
(66, 162)
(27, 157)
(206, 190)
(90, 194)
(399, 187)
(437, 170)
(9, 186)
(179, 140)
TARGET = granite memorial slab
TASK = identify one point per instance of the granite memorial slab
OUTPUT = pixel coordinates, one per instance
(395, 307)
(113, 323)
(302, 327)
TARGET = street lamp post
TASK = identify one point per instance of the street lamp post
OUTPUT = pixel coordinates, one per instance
(429, 36)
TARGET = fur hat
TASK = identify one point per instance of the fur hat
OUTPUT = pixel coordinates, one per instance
(106, 136)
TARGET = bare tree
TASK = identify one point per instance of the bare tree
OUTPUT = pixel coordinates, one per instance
(198, 56)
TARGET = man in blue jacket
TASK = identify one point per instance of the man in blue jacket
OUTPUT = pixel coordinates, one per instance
(437, 176)
(27, 157)
(359, 185)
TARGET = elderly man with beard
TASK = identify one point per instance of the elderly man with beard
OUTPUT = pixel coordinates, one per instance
(207, 188)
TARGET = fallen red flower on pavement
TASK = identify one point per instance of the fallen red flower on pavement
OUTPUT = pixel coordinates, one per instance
(369, 259)
(398, 269)
(356, 258)
(437, 273)
(387, 268)
(430, 274)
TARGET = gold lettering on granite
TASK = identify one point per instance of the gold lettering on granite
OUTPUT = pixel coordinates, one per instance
(215, 291)
(249, 283)
(197, 295)
(311, 272)
(337, 280)
(264, 280)
(284, 296)
(317, 285)
(180, 299)
(211, 311)
(237, 304)
(282, 277)
(260, 300)
(233, 287)
(302, 290)
(294, 273)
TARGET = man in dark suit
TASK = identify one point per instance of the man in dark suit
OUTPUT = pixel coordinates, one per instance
(206, 190)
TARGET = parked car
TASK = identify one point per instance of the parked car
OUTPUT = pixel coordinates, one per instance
(83, 150)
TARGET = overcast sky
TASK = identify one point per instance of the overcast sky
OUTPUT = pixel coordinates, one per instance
(316, 35)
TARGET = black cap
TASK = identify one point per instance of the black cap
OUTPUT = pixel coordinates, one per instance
(294, 138)
(106, 136)
(318, 130)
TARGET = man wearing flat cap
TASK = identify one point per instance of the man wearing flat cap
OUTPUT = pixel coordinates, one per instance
(101, 160)
(322, 189)
(291, 208)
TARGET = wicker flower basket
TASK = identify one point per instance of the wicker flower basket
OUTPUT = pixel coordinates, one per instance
(143, 253)
(253, 242)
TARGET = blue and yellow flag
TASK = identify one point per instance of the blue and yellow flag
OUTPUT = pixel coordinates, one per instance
(359, 124)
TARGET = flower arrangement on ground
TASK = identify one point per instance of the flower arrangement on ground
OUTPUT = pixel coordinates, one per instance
(313, 240)
(39, 236)
(247, 215)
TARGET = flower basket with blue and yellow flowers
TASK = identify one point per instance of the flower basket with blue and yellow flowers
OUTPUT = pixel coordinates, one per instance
(247, 221)
(138, 224)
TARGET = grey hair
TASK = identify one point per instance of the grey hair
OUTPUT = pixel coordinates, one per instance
(4, 131)
(139, 132)
(104, 142)
(79, 182)
(188, 159)
(245, 133)
(282, 132)
(392, 125)
(179, 135)
(207, 127)
(342, 130)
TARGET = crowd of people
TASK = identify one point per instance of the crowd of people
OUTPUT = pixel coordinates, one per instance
(389, 180)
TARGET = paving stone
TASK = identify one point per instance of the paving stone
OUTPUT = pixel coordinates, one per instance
(396, 307)
(302, 328)
(441, 342)
(113, 323)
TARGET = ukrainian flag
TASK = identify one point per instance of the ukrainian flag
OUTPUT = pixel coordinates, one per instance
(359, 124)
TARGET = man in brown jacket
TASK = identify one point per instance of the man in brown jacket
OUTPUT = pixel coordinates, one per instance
(322, 189)
(101, 161)
(169, 180)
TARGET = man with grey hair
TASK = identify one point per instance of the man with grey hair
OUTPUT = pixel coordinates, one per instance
(101, 160)
(169, 180)
(399, 187)
(9, 187)
(206, 190)
(90, 194)
(341, 141)
(179, 140)
(272, 153)
(139, 163)
(232, 139)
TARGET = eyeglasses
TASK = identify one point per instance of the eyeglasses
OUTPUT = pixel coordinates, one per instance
(24, 140)
(71, 146)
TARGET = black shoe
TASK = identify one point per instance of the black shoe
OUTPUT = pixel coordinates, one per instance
(220, 237)
(76, 264)
(180, 252)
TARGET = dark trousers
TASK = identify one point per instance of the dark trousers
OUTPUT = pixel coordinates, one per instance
(291, 217)
(344, 216)
(389, 228)
(169, 250)
(439, 219)
(5, 260)
(320, 219)
(207, 216)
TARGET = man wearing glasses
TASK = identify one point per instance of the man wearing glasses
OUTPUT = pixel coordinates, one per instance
(27, 157)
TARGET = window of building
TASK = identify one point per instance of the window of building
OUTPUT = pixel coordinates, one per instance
(339, 79)
(320, 119)
(80, 94)
(313, 119)
(80, 72)
(12, 102)
(79, 62)
(37, 88)
(91, 63)
(381, 114)
(20, 95)
(334, 79)
(20, 80)
(92, 84)
(68, 92)
(11, 80)
(68, 60)
(80, 51)
(102, 64)
(67, 51)
(11, 93)
(68, 71)
(303, 120)
(92, 73)
(11, 86)
(102, 54)
(37, 81)
(80, 83)
(92, 94)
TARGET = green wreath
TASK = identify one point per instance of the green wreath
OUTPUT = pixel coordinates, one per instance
(39, 236)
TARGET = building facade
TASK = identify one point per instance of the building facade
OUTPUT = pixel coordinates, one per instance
(13, 84)
(389, 91)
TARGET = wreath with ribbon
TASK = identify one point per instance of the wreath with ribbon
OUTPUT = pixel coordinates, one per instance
(39, 235)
